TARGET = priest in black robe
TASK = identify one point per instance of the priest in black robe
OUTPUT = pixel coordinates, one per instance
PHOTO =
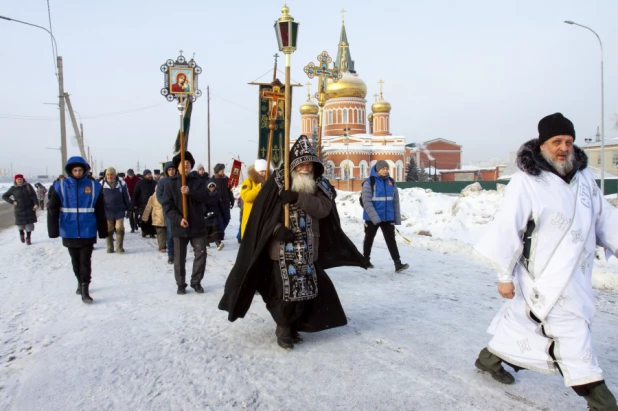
(286, 265)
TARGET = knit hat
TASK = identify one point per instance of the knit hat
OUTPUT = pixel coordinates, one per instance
(555, 125)
(130, 172)
(200, 167)
(219, 167)
(260, 165)
(18, 176)
(146, 172)
(380, 164)
(211, 184)
(188, 156)
(111, 171)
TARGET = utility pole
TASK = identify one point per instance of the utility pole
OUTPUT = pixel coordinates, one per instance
(208, 97)
(61, 104)
(78, 136)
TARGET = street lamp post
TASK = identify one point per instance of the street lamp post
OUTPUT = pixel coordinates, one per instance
(286, 30)
(602, 105)
(61, 102)
(347, 154)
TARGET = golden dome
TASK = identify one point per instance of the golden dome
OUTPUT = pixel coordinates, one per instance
(349, 85)
(370, 117)
(381, 106)
(309, 107)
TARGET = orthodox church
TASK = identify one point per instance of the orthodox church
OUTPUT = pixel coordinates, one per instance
(353, 140)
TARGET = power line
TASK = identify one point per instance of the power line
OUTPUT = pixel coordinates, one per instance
(93, 116)
(51, 38)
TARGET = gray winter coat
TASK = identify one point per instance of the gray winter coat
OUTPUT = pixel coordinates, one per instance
(26, 199)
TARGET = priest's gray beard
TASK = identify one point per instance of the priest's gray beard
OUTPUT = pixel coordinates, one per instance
(562, 168)
(303, 183)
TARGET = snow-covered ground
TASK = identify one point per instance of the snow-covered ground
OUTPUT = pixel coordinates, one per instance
(411, 340)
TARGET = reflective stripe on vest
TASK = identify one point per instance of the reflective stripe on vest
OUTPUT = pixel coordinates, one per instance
(77, 210)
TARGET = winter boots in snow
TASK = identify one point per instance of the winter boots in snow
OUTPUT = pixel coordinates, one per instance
(22, 236)
(110, 244)
(491, 363)
(85, 295)
(198, 288)
(28, 238)
(220, 245)
(181, 290)
(79, 288)
(400, 267)
(296, 337)
(598, 396)
(120, 241)
(284, 337)
(368, 262)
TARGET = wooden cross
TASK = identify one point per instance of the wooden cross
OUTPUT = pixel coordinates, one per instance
(273, 96)
(323, 72)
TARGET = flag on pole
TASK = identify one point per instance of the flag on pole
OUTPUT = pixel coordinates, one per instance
(235, 174)
(186, 124)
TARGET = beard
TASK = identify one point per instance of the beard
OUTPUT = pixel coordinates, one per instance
(562, 167)
(303, 183)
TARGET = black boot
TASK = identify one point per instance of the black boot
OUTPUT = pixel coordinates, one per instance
(85, 295)
(79, 288)
(491, 363)
(28, 238)
(400, 267)
(368, 263)
(296, 337)
(284, 337)
(22, 236)
(181, 290)
(599, 397)
(198, 288)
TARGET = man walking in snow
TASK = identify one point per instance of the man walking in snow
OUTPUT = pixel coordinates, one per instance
(380, 200)
(168, 171)
(192, 229)
(546, 273)
(226, 194)
(117, 203)
(286, 265)
(143, 190)
(131, 180)
(76, 212)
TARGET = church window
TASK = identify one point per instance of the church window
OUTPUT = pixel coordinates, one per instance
(345, 115)
(330, 116)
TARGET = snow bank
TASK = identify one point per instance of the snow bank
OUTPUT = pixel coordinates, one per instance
(451, 223)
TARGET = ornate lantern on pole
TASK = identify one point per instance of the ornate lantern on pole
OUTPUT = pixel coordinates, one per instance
(286, 30)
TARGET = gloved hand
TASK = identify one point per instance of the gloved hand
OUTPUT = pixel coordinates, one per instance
(288, 196)
(284, 234)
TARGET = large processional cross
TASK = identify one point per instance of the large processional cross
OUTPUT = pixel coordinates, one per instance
(273, 96)
(323, 72)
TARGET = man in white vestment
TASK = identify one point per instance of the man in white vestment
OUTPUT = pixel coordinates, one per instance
(543, 241)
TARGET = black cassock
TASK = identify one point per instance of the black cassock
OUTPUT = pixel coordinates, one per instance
(253, 269)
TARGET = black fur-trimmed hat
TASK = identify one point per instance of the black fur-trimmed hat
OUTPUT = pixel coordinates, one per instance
(555, 125)
(188, 156)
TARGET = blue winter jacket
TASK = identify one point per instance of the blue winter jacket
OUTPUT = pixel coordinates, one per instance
(381, 203)
(117, 200)
(78, 199)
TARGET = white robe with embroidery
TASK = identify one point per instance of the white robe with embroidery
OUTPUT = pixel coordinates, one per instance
(570, 220)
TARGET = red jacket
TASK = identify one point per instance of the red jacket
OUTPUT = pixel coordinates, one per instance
(131, 184)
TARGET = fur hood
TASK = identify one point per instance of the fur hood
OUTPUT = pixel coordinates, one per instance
(254, 175)
(530, 161)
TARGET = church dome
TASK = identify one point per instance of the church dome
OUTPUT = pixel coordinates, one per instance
(381, 106)
(349, 85)
(370, 117)
(309, 107)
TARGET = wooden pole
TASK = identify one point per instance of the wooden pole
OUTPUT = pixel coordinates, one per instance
(183, 176)
(319, 148)
(286, 148)
(208, 96)
(270, 146)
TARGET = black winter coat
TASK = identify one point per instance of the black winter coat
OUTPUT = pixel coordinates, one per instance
(225, 192)
(215, 206)
(143, 190)
(26, 199)
(172, 206)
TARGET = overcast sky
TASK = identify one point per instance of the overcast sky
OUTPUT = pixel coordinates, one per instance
(478, 72)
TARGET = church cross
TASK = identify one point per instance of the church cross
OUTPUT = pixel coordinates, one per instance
(323, 72)
(343, 11)
(273, 96)
(375, 96)
(263, 150)
(181, 52)
(308, 91)
(381, 82)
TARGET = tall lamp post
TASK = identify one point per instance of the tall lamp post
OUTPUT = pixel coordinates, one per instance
(286, 30)
(61, 103)
(347, 154)
(602, 105)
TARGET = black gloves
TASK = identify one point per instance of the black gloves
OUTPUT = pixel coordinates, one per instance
(288, 196)
(284, 234)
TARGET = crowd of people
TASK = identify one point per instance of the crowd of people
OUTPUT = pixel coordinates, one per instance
(542, 241)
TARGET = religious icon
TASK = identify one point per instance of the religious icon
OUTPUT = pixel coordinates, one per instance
(181, 80)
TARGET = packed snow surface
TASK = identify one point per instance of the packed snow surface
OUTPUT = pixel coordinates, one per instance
(410, 343)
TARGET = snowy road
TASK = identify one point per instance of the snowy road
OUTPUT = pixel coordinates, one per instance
(410, 344)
